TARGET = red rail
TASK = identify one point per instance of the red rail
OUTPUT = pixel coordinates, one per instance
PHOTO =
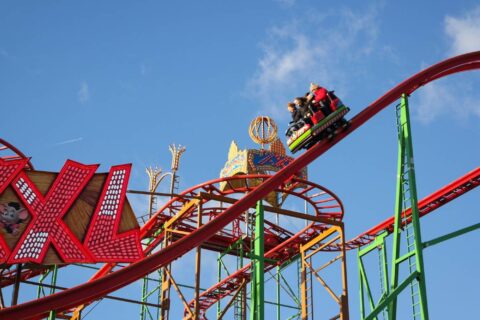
(93, 290)
(10, 152)
(427, 205)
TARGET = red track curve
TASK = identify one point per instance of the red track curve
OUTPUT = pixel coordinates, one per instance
(93, 290)
(428, 204)
(5, 147)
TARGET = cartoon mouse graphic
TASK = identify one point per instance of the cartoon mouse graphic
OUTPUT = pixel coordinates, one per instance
(11, 216)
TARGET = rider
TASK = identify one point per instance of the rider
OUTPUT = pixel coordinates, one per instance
(296, 114)
(297, 119)
(326, 101)
(303, 107)
(318, 97)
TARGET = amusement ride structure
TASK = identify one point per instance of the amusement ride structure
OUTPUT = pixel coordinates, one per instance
(267, 252)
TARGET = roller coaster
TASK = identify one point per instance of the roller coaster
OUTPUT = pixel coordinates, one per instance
(234, 222)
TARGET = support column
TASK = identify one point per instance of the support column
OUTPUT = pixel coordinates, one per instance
(333, 236)
(53, 313)
(257, 311)
(379, 246)
(166, 283)
(197, 267)
(52, 272)
(16, 286)
(410, 225)
(406, 232)
(219, 278)
(344, 310)
(277, 277)
(303, 286)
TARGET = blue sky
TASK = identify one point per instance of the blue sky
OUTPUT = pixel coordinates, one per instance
(117, 82)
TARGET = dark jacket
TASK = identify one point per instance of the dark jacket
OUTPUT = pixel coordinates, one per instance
(296, 115)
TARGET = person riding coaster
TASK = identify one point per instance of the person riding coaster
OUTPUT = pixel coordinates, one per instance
(316, 116)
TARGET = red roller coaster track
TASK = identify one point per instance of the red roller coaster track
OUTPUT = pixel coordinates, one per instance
(428, 204)
(10, 152)
(105, 284)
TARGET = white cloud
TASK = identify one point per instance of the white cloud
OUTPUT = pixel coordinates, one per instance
(455, 99)
(464, 32)
(314, 48)
(446, 98)
(434, 100)
(278, 68)
(84, 92)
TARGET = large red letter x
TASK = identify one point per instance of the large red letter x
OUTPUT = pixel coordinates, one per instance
(47, 226)
(8, 171)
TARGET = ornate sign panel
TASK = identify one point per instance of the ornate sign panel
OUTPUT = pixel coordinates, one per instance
(71, 216)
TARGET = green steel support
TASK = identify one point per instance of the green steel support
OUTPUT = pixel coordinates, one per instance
(237, 243)
(288, 289)
(143, 308)
(379, 245)
(257, 311)
(52, 271)
(253, 291)
(295, 316)
(240, 302)
(242, 296)
(393, 295)
(398, 219)
(406, 230)
(384, 266)
(222, 264)
(145, 312)
(451, 235)
(240, 299)
(219, 278)
(360, 284)
(364, 286)
(407, 195)
(53, 314)
(40, 288)
(277, 276)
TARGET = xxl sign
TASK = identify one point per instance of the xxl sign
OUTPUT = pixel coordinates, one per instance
(33, 223)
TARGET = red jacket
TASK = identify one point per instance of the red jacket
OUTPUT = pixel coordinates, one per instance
(320, 94)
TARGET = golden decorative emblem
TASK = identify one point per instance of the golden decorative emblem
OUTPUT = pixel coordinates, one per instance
(263, 130)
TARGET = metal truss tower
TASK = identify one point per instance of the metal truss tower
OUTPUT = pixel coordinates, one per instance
(407, 248)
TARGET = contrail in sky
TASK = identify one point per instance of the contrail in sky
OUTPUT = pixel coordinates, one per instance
(68, 141)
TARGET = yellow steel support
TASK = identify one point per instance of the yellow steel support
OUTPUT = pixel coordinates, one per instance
(303, 286)
(180, 294)
(180, 213)
(166, 280)
(307, 251)
(198, 256)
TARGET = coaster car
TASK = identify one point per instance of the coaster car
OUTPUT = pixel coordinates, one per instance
(315, 127)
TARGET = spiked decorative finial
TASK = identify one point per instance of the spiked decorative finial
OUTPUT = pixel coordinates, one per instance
(176, 151)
